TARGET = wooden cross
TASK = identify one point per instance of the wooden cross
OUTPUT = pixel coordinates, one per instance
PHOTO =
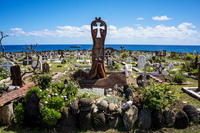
(98, 27)
(160, 68)
(197, 74)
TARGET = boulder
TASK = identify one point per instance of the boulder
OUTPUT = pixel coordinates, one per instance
(191, 112)
(145, 118)
(67, 122)
(88, 108)
(32, 112)
(82, 74)
(169, 117)
(84, 120)
(74, 107)
(114, 120)
(158, 119)
(99, 121)
(102, 105)
(6, 114)
(111, 107)
(182, 120)
(85, 102)
(128, 92)
(130, 117)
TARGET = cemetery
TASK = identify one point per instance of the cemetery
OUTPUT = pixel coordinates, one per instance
(99, 89)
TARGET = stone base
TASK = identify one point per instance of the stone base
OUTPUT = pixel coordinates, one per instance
(192, 91)
(108, 82)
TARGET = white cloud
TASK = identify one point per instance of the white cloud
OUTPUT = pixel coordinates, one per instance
(161, 18)
(141, 18)
(185, 31)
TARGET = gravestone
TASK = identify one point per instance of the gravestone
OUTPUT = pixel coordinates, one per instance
(147, 57)
(128, 60)
(39, 66)
(141, 61)
(170, 67)
(63, 61)
(6, 65)
(109, 62)
(27, 60)
(141, 82)
(98, 30)
(45, 68)
(127, 69)
(16, 75)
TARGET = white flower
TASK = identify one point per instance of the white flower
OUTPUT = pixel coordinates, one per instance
(49, 95)
(40, 90)
(170, 91)
(56, 94)
(46, 102)
(47, 89)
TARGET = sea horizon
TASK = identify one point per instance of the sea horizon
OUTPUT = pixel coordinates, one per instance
(133, 47)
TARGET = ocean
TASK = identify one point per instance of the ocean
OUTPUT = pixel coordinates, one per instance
(135, 47)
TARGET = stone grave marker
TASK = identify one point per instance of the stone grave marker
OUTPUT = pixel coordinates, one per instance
(128, 60)
(6, 65)
(109, 62)
(160, 67)
(63, 61)
(141, 61)
(195, 52)
(170, 67)
(147, 57)
(172, 55)
(44, 58)
(127, 69)
(45, 68)
(39, 66)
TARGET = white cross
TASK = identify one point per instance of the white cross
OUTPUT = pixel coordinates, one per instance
(44, 57)
(98, 27)
(27, 60)
(6, 65)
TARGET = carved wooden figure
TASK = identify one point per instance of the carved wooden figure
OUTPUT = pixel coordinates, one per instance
(98, 31)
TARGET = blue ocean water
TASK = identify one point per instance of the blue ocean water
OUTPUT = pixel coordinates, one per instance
(136, 47)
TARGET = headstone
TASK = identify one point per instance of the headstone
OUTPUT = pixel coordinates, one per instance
(170, 67)
(172, 55)
(195, 52)
(98, 36)
(44, 58)
(63, 61)
(6, 65)
(128, 59)
(141, 61)
(109, 62)
(39, 66)
(127, 69)
(147, 57)
(45, 68)
(160, 67)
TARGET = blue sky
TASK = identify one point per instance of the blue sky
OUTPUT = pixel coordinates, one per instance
(129, 21)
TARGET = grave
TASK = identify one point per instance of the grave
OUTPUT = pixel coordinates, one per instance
(170, 67)
(128, 60)
(16, 75)
(172, 55)
(127, 69)
(39, 66)
(45, 68)
(27, 60)
(6, 65)
(141, 61)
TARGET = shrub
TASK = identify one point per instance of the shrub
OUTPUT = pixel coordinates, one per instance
(32, 90)
(188, 66)
(158, 96)
(19, 113)
(3, 74)
(125, 55)
(88, 93)
(189, 56)
(43, 81)
(178, 78)
(151, 60)
(50, 116)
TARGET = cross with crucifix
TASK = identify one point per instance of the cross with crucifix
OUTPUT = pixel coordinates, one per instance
(197, 74)
(98, 27)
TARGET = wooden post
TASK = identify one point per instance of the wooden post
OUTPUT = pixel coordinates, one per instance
(197, 74)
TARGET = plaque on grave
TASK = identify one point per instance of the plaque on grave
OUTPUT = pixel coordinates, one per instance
(16, 75)
(45, 68)
(98, 31)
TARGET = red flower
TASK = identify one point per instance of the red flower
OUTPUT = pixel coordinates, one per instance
(172, 88)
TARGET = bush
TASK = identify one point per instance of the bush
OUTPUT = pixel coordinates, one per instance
(189, 56)
(178, 78)
(32, 90)
(158, 96)
(42, 81)
(188, 66)
(3, 74)
(19, 113)
(50, 116)
(125, 55)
